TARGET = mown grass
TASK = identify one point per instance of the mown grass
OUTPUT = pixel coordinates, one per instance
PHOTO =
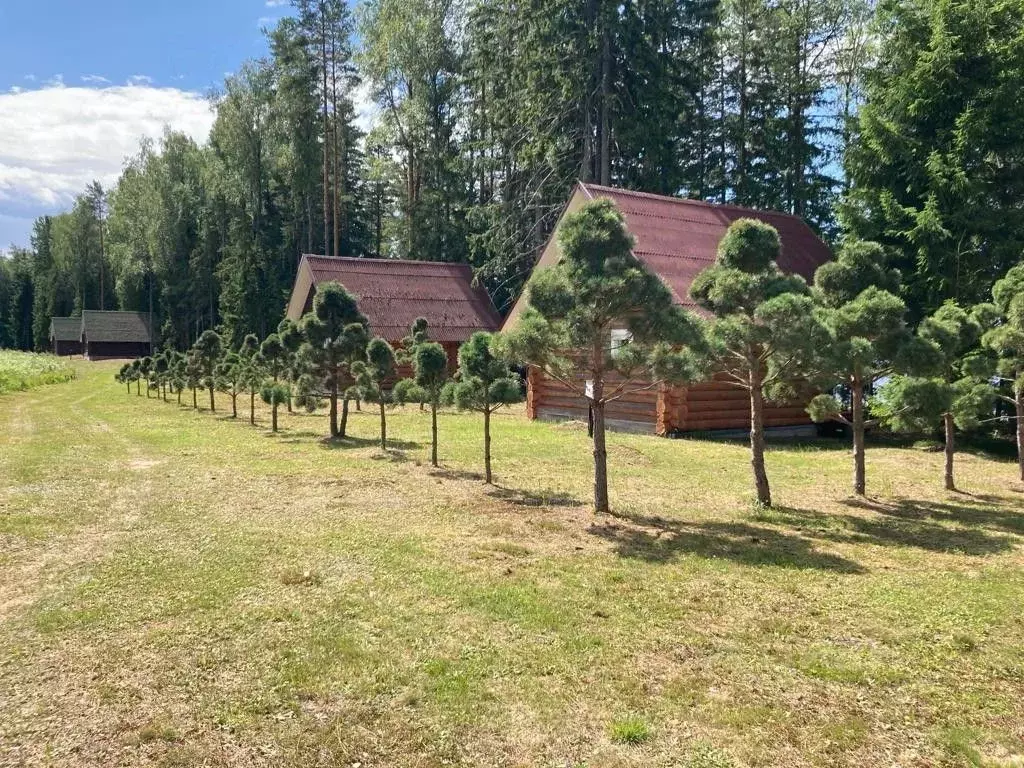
(180, 589)
(24, 370)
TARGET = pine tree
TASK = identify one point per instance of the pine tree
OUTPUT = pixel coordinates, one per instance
(484, 384)
(602, 324)
(372, 374)
(765, 330)
(955, 395)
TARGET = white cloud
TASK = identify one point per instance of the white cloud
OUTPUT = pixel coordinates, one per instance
(95, 79)
(367, 110)
(55, 140)
(276, 3)
(140, 80)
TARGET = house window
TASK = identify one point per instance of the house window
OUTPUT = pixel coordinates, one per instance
(620, 338)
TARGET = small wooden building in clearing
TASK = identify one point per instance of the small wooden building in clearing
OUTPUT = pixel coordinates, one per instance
(113, 335)
(676, 239)
(393, 293)
(66, 336)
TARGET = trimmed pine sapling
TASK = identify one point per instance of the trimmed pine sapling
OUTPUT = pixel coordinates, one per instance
(1005, 339)
(123, 376)
(161, 368)
(136, 375)
(251, 371)
(483, 384)
(419, 333)
(764, 329)
(430, 375)
(146, 372)
(602, 324)
(371, 375)
(208, 350)
(957, 394)
(274, 394)
(274, 358)
(193, 376)
(868, 339)
(292, 338)
(336, 336)
(176, 374)
(231, 379)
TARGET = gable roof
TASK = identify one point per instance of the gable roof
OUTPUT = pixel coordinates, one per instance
(65, 329)
(392, 293)
(99, 326)
(677, 239)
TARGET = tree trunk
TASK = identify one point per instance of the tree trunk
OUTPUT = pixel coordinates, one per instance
(138, 387)
(764, 493)
(383, 427)
(334, 408)
(195, 401)
(234, 405)
(213, 405)
(433, 432)
(129, 387)
(252, 408)
(600, 454)
(857, 425)
(273, 417)
(344, 418)
(179, 395)
(950, 450)
(487, 445)
(1018, 402)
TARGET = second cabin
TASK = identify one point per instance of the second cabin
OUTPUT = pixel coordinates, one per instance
(676, 239)
(393, 293)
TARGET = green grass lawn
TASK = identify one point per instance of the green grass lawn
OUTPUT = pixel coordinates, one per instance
(25, 370)
(179, 589)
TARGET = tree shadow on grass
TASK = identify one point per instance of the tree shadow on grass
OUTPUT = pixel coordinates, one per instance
(456, 474)
(348, 443)
(545, 498)
(979, 516)
(658, 540)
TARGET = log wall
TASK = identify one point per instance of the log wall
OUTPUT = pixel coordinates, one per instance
(708, 406)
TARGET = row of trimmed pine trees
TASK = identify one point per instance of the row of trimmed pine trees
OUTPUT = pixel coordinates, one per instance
(330, 355)
(769, 333)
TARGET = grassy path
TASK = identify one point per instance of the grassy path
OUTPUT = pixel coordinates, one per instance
(180, 589)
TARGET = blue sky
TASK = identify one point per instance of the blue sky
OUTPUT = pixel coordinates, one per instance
(81, 82)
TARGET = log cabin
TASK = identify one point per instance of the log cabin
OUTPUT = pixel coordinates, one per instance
(109, 335)
(676, 239)
(393, 293)
(66, 336)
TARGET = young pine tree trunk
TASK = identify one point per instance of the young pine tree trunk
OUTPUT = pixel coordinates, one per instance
(138, 388)
(600, 447)
(334, 408)
(273, 417)
(857, 425)
(487, 444)
(433, 431)
(195, 400)
(344, 417)
(213, 408)
(1018, 402)
(129, 387)
(764, 493)
(234, 405)
(252, 408)
(383, 427)
(179, 395)
(950, 449)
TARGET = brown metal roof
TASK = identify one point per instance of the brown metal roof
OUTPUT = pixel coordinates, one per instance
(65, 329)
(677, 238)
(115, 326)
(392, 293)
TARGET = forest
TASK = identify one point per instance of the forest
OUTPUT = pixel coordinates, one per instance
(895, 122)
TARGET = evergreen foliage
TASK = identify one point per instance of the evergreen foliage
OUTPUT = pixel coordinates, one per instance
(601, 316)
(484, 384)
